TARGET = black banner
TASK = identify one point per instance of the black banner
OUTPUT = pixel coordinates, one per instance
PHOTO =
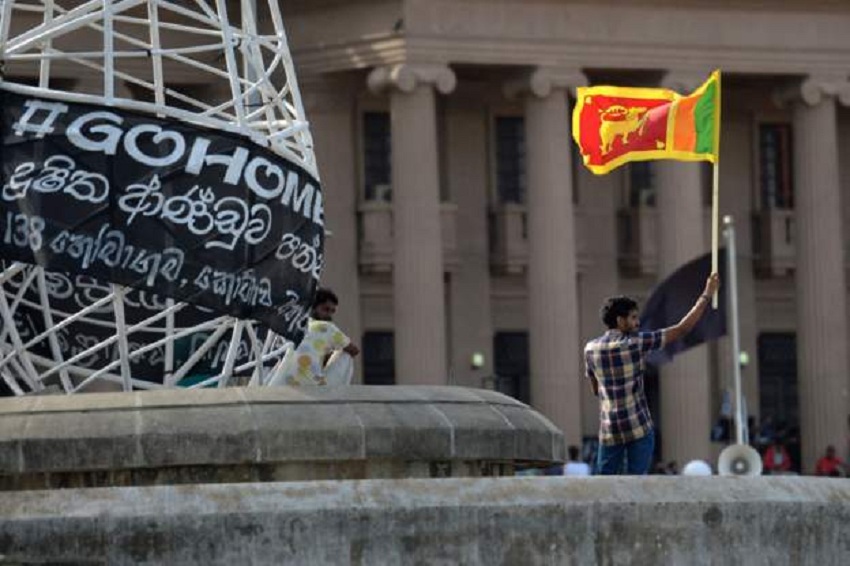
(167, 208)
(674, 297)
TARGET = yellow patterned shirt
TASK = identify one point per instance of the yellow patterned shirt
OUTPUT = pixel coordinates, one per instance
(304, 366)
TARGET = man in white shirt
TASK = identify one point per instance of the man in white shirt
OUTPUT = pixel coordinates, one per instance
(306, 365)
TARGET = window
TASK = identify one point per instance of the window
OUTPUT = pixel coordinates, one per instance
(376, 156)
(378, 358)
(641, 180)
(511, 178)
(512, 365)
(775, 166)
(510, 159)
(778, 376)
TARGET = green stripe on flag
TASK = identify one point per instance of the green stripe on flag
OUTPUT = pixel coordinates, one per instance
(704, 119)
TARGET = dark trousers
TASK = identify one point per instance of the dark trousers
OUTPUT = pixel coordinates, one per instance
(637, 455)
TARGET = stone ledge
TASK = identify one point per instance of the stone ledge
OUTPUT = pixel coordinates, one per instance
(527, 521)
(266, 434)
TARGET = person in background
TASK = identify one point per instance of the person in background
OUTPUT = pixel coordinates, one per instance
(776, 459)
(829, 464)
(306, 364)
(574, 466)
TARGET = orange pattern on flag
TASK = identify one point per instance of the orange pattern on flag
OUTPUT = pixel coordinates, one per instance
(684, 133)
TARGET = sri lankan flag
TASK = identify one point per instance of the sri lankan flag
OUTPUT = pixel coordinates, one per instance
(615, 125)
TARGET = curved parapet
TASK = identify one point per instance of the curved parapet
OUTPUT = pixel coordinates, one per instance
(267, 434)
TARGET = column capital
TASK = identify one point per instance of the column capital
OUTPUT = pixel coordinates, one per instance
(541, 81)
(405, 77)
(683, 82)
(813, 89)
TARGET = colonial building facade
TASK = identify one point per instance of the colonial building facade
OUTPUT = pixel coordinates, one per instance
(463, 221)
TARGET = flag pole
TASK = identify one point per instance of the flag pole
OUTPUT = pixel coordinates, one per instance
(715, 221)
(715, 189)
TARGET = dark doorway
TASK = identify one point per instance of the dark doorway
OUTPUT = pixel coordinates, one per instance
(512, 365)
(378, 358)
(779, 405)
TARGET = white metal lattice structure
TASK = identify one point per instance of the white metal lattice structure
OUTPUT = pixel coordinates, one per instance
(215, 63)
(203, 61)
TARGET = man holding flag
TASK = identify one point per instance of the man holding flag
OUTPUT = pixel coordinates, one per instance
(615, 365)
(613, 126)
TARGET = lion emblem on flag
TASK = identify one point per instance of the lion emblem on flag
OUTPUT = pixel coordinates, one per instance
(620, 122)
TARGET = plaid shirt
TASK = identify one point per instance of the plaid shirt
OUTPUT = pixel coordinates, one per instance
(617, 362)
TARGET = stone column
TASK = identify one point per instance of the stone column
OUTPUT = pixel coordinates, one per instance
(685, 382)
(556, 365)
(471, 309)
(821, 281)
(600, 277)
(418, 285)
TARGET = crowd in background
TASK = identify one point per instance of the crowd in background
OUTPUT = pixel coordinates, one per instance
(777, 443)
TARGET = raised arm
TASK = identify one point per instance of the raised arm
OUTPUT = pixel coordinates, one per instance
(690, 320)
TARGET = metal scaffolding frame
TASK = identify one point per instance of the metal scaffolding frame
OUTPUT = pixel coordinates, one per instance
(215, 63)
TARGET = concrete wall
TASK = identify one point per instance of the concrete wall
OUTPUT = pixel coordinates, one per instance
(511, 521)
